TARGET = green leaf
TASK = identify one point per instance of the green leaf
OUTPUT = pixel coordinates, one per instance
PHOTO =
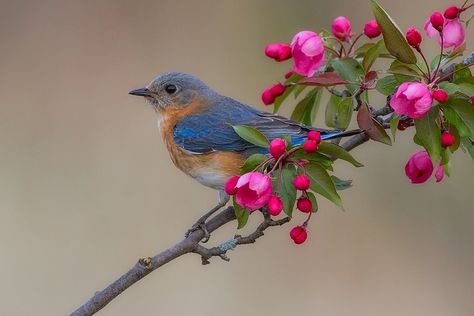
(387, 85)
(341, 184)
(449, 87)
(339, 112)
(394, 125)
(313, 200)
(321, 159)
(337, 152)
(394, 39)
(350, 70)
(287, 139)
(252, 162)
(287, 191)
(363, 49)
(372, 54)
(460, 113)
(468, 146)
(429, 134)
(242, 214)
(282, 98)
(251, 135)
(305, 110)
(371, 126)
(466, 88)
(463, 75)
(297, 91)
(399, 68)
(321, 183)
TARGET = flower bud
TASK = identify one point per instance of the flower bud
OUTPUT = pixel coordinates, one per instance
(447, 139)
(304, 205)
(451, 12)
(372, 29)
(279, 52)
(413, 37)
(440, 95)
(277, 148)
(267, 97)
(310, 146)
(298, 234)
(275, 205)
(341, 28)
(289, 74)
(401, 126)
(314, 135)
(472, 99)
(301, 183)
(277, 90)
(437, 21)
(230, 186)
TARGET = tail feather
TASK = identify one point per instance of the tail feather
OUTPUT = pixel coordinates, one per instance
(339, 134)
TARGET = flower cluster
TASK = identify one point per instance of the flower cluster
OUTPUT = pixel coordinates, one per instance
(433, 96)
(262, 186)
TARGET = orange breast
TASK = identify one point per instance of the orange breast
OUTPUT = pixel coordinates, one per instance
(211, 169)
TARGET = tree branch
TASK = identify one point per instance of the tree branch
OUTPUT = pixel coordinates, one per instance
(191, 244)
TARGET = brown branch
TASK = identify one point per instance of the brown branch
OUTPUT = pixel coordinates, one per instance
(191, 244)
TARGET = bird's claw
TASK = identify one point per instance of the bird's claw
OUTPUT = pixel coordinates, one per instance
(199, 226)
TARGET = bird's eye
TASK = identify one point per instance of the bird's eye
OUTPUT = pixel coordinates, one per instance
(170, 88)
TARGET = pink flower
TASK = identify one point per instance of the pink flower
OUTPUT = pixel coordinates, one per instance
(254, 189)
(277, 148)
(437, 21)
(372, 29)
(279, 52)
(453, 32)
(413, 37)
(275, 205)
(419, 168)
(413, 99)
(308, 53)
(230, 186)
(341, 28)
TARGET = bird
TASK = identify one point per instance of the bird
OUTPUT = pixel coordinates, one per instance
(196, 126)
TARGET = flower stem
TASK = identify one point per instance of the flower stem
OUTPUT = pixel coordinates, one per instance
(418, 49)
(452, 73)
(329, 49)
(353, 43)
(440, 56)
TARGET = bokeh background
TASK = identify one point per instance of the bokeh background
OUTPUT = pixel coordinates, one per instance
(87, 188)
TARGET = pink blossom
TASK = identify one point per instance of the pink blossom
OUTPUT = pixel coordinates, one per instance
(308, 53)
(372, 29)
(279, 52)
(341, 28)
(413, 99)
(419, 168)
(453, 32)
(254, 189)
(275, 205)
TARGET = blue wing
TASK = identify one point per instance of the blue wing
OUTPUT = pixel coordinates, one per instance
(210, 130)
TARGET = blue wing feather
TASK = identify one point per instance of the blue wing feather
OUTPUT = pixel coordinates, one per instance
(210, 129)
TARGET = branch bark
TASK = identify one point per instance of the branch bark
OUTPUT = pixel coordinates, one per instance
(191, 244)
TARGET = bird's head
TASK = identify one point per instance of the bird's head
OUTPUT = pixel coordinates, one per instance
(173, 89)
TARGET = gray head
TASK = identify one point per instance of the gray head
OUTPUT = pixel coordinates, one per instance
(173, 88)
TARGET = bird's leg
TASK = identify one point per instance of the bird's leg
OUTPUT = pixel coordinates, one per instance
(222, 200)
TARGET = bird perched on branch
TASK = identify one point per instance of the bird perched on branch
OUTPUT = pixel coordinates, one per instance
(196, 126)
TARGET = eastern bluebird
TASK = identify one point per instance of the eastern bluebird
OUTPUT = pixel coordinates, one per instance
(195, 123)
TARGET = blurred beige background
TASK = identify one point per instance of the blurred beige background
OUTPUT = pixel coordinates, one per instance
(86, 186)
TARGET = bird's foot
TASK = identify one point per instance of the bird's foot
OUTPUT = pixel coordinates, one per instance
(199, 225)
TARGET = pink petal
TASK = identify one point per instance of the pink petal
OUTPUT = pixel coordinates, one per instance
(439, 175)
(313, 46)
(430, 30)
(453, 33)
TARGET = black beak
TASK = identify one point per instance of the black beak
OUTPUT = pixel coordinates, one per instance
(143, 92)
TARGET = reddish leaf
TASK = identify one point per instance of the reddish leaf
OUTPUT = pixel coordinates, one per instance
(325, 79)
(372, 127)
(370, 79)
